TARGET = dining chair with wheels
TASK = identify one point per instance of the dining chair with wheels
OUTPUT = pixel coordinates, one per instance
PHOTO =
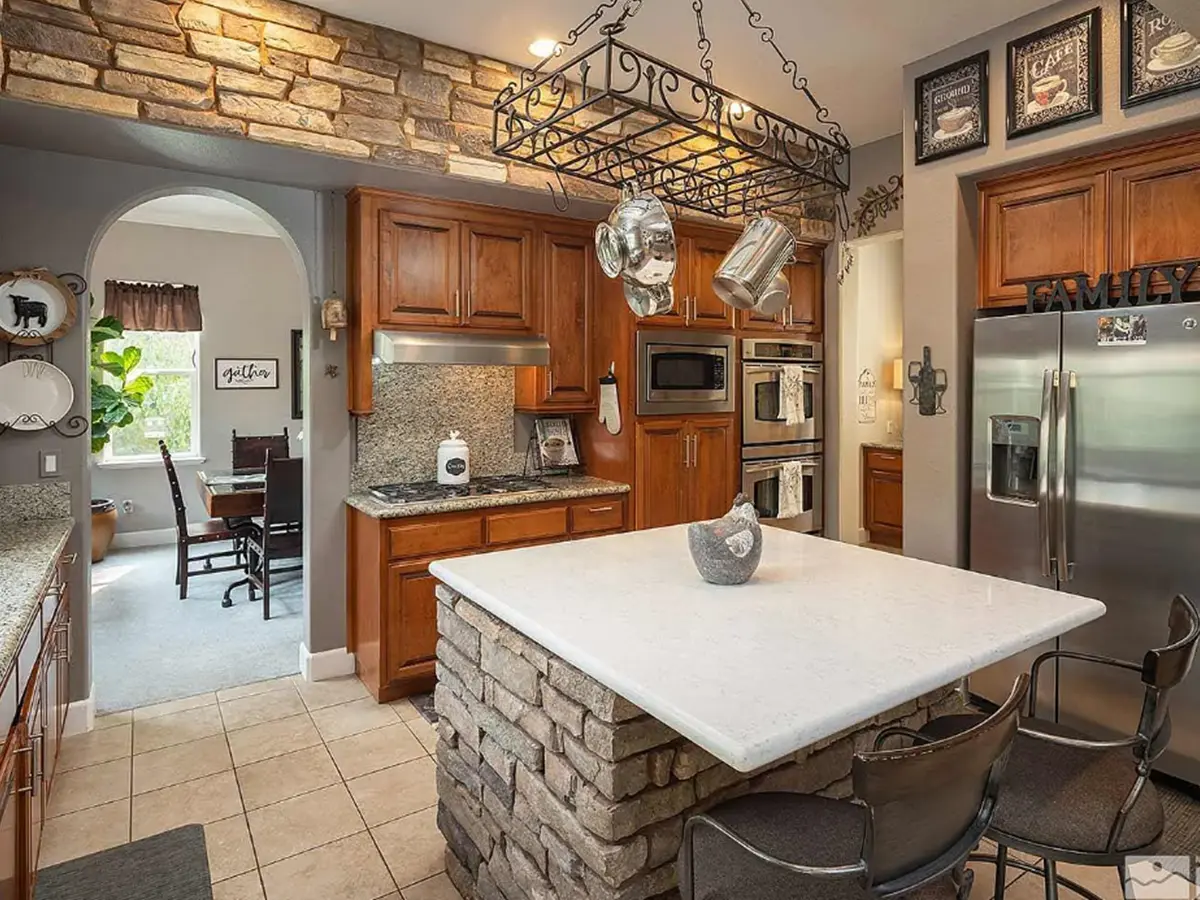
(1071, 798)
(280, 535)
(187, 535)
(922, 809)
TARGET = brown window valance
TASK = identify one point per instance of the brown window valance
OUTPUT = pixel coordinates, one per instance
(154, 307)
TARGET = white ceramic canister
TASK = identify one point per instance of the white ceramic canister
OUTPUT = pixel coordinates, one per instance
(453, 461)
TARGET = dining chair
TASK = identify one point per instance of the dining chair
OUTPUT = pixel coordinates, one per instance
(250, 451)
(921, 810)
(190, 535)
(1068, 797)
(280, 536)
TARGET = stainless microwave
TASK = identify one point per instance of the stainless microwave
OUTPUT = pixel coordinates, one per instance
(684, 372)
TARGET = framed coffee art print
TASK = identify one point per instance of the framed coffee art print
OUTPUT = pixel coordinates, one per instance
(952, 109)
(1054, 75)
(1158, 57)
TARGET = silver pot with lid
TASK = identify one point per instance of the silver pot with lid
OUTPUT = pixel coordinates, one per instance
(750, 267)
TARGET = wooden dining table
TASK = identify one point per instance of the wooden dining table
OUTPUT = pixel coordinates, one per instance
(228, 493)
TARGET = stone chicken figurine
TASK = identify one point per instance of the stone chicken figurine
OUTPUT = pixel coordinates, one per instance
(727, 550)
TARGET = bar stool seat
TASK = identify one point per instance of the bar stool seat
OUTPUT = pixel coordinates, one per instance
(1065, 797)
(798, 828)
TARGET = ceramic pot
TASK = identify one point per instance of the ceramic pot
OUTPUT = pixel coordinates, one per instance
(104, 526)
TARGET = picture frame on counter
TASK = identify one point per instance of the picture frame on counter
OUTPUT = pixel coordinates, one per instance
(1054, 75)
(952, 109)
(1159, 58)
(237, 374)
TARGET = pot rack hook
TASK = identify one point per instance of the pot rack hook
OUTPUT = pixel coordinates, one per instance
(566, 197)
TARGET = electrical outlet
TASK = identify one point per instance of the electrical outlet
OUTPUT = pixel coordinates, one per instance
(48, 463)
(126, 506)
(891, 428)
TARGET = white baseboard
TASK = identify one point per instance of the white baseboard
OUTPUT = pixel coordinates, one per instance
(155, 537)
(81, 715)
(326, 664)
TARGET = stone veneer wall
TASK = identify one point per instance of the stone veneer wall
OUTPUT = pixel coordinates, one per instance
(550, 785)
(278, 72)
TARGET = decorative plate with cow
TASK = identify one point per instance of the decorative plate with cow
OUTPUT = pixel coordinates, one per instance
(35, 307)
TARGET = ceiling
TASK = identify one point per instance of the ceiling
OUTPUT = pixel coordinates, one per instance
(201, 212)
(852, 51)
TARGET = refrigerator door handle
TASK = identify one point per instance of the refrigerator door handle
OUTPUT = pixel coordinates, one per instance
(1065, 391)
(1049, 387)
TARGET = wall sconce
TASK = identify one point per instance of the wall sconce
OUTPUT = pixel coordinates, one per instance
(898, 379)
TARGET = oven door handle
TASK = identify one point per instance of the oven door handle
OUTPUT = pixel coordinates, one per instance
(754, 469)
(764, 368)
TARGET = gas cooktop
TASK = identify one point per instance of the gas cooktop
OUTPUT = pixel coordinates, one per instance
(419, 491)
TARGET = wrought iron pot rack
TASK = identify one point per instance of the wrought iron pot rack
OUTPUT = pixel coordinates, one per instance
(615, 115)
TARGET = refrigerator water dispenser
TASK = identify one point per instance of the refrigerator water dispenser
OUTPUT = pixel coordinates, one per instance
(1013, 464)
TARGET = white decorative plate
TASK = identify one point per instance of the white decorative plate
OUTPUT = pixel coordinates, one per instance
(33, 394)
(33, 310)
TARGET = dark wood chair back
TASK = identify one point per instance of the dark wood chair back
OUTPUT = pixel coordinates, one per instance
(283, 503)
(930, 804)
(181, 526)
(250, 451)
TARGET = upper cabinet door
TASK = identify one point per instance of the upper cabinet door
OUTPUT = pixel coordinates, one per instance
(568, 293)
(418, 270)
(1154, 215)
(676, 316)
(708, 310)
(497, 276)
(806, 311)
(1041, 229)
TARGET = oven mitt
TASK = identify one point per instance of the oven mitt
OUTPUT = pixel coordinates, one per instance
(610, 408)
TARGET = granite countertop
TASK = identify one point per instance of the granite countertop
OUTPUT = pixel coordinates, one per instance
(28, 551)
(894, 446)
(824, 636)
(561, 487)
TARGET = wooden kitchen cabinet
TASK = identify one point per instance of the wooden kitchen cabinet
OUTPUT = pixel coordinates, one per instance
(698, 254)
(12, 857)
(391, 606)
(569, 274)
(805, 311)
(686, 469)
(883, 496)
(418, 270)
(497, 276)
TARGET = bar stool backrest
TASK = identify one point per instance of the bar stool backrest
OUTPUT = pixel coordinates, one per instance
(1162, 670)
(930, 804)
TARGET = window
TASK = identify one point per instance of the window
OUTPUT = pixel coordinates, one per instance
(171, 411)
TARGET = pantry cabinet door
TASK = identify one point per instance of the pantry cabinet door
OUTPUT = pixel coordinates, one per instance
(418, 270)
(498, 276)
(713, 467)
(662, 470)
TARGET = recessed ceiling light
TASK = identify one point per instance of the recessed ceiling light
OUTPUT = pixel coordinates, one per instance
(543, 47)
(738, 109)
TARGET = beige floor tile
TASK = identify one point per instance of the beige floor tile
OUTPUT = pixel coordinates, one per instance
(176, 728)
(282, 777)
(412, 847)
(352, 718)
(395, 792)
(94, 747)
(230, 852)
(439, 887)
(173, 706)
(82, 788)
(349, 869)
(111, 720)
(199, 802)
(301, 823)
(174, 765)
(373, 750)
(1104, 882)
(405, 710)
(424, 732)
(1027, 887)
(319, 694)
(270, 739)
(258, 687)
(244, 887)
(84, 832)
(258, 708)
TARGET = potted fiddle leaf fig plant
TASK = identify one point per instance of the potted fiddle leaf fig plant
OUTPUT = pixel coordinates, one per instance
(115, 398)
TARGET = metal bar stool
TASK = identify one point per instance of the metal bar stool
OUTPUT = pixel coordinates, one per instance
(1069, 798)
(926, 808)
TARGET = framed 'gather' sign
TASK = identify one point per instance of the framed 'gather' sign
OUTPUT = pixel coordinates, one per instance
(246, 374)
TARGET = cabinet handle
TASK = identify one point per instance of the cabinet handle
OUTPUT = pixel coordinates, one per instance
(457, 303)
(35, 772)
(549, 382)
(600, 509)
(69, 559)
(695, 451)
(686, 449)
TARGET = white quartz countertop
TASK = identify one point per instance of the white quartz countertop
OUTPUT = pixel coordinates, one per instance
(825, 636)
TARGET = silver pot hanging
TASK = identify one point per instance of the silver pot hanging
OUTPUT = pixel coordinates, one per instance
(649, 301)
(776, 297)
(751, 265)
(638, 242)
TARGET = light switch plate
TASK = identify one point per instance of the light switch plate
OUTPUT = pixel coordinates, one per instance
(48, 463)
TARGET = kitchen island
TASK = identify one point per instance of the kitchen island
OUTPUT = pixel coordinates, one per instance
(593, 694)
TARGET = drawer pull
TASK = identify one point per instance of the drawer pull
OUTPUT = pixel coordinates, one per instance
(70, 558)
(600, 509)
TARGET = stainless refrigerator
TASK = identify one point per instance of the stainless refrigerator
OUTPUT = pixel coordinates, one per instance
(1085, 478)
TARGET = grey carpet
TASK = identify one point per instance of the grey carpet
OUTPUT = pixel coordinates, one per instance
(149, 646)
(168, 866)
(1182, 809)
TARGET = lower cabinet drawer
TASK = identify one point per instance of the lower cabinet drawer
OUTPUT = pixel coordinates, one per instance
(885, 460)
(417, 539)
(600, 514)
(531, 525)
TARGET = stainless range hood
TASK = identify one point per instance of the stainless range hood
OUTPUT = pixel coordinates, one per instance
(472, 349)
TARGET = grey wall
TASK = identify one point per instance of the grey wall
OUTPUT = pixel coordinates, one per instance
(55, 209)
(252, 296)
(940, 260)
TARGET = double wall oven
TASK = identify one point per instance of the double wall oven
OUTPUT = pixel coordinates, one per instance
(782, 465)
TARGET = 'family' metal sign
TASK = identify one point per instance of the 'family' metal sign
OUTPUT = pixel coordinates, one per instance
(1133, 287)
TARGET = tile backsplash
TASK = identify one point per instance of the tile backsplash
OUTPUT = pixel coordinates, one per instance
(416, 406)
